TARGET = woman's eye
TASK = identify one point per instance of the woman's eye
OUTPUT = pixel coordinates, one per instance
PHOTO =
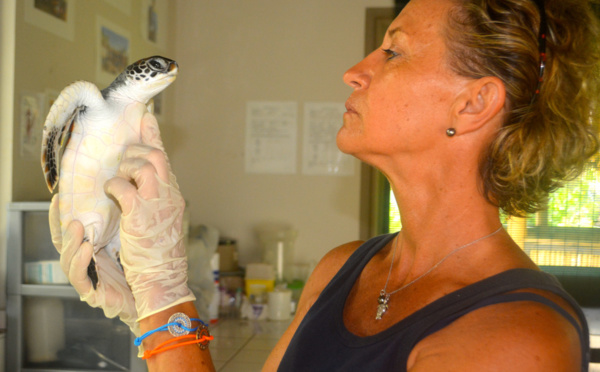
(390, 53)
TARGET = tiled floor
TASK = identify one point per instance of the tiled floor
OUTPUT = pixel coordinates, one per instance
(244, 345)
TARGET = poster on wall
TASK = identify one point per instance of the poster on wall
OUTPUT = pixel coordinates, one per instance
(320, 154)
(113, 49)
(55, 16)
(154, 22)
(30, 125)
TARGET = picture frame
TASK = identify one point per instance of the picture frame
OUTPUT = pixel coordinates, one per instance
(154, 22)
(54, 16)
(113, 50)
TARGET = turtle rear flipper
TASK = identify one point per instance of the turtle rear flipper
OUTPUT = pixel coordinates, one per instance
(63, 115)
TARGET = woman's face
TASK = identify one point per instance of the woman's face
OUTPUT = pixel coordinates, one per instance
(404, 90)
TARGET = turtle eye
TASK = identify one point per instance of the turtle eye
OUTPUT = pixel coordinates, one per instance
(156, 64)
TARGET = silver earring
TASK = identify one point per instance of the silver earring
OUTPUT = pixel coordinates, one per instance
(450, 132)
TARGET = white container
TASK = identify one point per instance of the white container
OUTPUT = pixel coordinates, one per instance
(44, 322)
(213, 306)
(278, 251)
(45, 272)
(280, 304)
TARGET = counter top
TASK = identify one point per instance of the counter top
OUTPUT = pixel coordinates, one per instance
(243, 345)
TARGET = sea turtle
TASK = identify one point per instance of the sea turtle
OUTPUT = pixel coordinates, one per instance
(93, 128)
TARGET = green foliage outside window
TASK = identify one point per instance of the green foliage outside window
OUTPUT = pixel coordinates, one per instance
(574, 205)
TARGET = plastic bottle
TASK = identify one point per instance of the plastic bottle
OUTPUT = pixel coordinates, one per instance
(213, 307)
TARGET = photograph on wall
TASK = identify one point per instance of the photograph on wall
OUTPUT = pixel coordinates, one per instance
(113, 51)
(154, 21)
(55, 16)
(30, 125)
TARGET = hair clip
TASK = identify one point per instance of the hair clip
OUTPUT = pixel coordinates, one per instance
(541, 45)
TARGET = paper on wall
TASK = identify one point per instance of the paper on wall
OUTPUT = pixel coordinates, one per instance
(320, 153)
(271, 131)
(30, 123)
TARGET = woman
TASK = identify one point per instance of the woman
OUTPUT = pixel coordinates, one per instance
(452, 111)
(448, 110)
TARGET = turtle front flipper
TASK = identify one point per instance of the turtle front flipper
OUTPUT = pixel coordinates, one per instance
(93, 273)
(64, 113)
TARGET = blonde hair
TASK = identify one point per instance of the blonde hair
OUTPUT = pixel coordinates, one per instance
(548, 139)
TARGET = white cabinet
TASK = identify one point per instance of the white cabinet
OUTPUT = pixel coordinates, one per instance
(49, 328)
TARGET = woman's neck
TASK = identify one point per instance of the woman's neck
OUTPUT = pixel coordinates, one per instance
(438, 217)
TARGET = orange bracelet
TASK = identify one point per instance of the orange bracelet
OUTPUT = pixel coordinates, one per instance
(163, 346)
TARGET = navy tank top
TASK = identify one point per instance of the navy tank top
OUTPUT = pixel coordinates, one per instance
(323, 343)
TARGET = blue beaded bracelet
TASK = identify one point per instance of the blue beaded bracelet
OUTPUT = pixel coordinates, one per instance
(178, 325)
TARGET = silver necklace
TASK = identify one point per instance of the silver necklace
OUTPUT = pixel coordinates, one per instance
(384, 296)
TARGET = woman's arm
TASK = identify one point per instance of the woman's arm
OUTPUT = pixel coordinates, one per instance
(321, 276)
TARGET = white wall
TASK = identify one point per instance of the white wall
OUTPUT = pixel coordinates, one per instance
(231, 52)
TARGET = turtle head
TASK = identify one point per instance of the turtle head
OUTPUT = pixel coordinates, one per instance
(143, 79)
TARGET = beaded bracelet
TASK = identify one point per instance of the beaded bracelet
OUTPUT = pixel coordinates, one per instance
(178, 325)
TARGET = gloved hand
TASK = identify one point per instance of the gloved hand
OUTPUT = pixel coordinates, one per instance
(112, 295)
(152, 247)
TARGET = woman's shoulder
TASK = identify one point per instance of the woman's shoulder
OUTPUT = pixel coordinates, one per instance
(519, 336)
(325, 270)
(331, 263)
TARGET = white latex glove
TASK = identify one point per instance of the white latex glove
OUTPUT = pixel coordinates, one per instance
(152, 247)
(112, 295)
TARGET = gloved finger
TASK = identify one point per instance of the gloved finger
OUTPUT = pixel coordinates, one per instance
(78, 275)
(153, 155)
(142, 173)
(70, 245)
(122, 191)
(150, 132)
(55, 225)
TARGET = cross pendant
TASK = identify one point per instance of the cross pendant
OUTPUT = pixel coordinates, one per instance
(383, 304)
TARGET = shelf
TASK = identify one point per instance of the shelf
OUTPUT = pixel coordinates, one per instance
(29, 206)
(49, 290)
(29, 240)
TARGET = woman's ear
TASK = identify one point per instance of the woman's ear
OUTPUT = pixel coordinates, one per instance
(480, 102)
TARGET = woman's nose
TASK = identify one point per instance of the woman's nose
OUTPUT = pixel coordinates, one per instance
(358, 76)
